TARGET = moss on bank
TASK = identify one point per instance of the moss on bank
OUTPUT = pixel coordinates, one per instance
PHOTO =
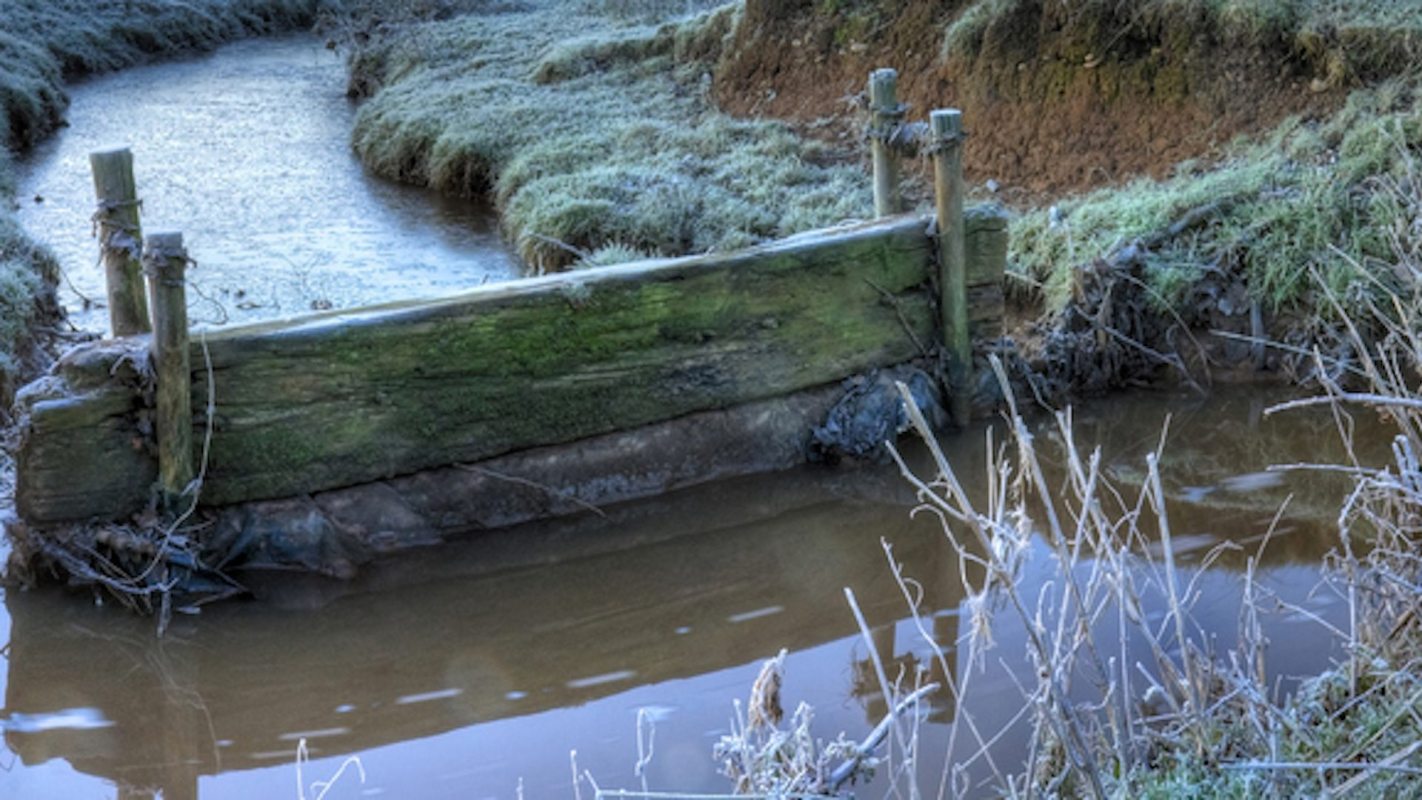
(43, 42)
(592, 131)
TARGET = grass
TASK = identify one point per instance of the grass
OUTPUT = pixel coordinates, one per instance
(1201, 719)
(1357, 38)
(44, 42)
(593, 132)
(1311, 196)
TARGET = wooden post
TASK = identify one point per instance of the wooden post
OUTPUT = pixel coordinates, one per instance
(947, 135)
(165, 262)
(119, 239)
(885, 115)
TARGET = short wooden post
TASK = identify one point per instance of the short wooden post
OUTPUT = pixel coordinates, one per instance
(165, 262)
(885, 116)
(947, 143)
(119, 239)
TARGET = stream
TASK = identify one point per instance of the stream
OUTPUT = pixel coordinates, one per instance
(246, 152)
(476, 669)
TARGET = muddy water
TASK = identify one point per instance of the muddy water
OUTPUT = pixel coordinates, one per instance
(472, 670)
(245, 151)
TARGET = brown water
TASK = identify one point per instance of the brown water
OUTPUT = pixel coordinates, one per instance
(474, 669)
(469, 670)
(246, 152)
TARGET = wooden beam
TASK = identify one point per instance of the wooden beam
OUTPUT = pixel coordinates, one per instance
(343, 398)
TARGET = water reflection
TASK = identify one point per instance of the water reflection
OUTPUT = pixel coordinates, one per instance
(236, 689)
(460, 670)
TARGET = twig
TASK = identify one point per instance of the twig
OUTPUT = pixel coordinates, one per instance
(1309, 765)
(542, 487)
(899, 312)
(1363, 398)
(843, 772)
(881, 674)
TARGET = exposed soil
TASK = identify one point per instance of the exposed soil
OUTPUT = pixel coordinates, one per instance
(1054, 103)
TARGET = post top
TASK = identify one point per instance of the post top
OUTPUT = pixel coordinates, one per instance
(946, 122)
(883, 87)
(163, 240)
(111, 152)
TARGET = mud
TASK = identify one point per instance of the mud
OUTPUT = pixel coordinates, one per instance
(1054, 103)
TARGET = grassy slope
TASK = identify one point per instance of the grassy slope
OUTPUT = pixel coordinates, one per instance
(44, 41)
(595, 131)
(1314, 195)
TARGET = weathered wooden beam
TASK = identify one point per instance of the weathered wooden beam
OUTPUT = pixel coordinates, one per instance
(165, 262)
(85, 447)
(342, 398)
(947, 137)
(985, 244)
(119, 239)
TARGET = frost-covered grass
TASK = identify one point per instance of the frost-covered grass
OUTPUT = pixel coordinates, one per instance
(1359, 37)
(593, 130)
(43, 42)
(1312, 196)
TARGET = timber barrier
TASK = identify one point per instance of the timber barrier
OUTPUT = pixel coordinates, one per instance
(308, 405)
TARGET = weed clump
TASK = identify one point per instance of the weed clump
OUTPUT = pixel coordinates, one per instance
(591, 131)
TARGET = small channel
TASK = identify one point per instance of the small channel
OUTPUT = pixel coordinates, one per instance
(473, 669)
(246, 151)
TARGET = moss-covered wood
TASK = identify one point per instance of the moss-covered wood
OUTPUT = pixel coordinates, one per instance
(347, 397)
(85, 437)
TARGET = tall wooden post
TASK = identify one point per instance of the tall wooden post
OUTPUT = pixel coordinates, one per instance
(947, 142)
(885, 115)
(119, 239)
(165, 262)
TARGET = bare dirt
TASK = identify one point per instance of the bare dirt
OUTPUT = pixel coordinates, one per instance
(1054, 104)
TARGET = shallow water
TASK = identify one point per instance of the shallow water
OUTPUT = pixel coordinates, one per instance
(471, 670)
(246, 152)
(474, 670)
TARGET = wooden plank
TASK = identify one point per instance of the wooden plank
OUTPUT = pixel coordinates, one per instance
(344, 398)
(82, 455)
(985, 232)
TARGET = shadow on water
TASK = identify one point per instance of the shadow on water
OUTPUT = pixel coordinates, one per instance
(484, 662)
